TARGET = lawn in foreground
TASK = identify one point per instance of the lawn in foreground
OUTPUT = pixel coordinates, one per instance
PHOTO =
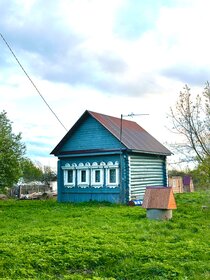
(50, 240)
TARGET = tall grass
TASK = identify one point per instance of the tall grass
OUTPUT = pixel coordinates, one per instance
(50, 240)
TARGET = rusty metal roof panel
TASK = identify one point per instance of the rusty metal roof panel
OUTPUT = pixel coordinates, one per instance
(159, 198)
(134, 137)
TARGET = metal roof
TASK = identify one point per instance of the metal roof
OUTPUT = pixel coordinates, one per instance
(159, 198)
(133, 136)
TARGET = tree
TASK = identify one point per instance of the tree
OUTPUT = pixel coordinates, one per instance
(48, 175)
(12, 151)
(36, 172)
(30, 172)
(191, 119)
(201, 174)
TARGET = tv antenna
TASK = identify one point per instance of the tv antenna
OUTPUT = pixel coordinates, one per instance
(128, 115)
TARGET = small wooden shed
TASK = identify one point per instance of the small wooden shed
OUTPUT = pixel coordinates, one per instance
(188, 184)
(105, 158)
(181, 184)
(176, 183)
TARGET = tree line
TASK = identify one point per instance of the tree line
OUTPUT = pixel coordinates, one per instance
(13, 163)
(190, 118)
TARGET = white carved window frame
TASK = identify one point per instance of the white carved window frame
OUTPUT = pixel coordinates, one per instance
(110, 166)
(66, 168)
(97, 167)
(83, 167)
(90, 174)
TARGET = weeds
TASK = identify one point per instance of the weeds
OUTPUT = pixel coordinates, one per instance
(48, 240)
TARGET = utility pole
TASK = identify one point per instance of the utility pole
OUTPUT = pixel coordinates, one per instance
(121, 152)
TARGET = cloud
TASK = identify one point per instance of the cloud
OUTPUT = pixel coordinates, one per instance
(52, 50)
(114, 56)
(119, 47)
(188, 75)
(37, 34)
(38, 144)
(134, 18)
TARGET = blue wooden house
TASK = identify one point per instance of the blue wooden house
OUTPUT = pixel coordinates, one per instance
(105, 158)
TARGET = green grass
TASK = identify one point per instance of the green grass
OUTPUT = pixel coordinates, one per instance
(48, 240)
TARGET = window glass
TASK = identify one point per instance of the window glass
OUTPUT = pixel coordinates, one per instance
(70, 176)
(112, 175)
(97, 176)
(83, 176)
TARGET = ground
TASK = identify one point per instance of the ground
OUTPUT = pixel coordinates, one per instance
(50, 240)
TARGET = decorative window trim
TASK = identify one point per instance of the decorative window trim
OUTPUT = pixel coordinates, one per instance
(66, 168)
(90, 174)
(94, 168)
(86, 183)
(83, 167)
(110, 166)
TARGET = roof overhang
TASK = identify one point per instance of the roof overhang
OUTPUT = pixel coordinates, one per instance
(149, 152)
(94, 152)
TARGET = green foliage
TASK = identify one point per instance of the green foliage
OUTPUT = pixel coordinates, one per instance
(30, 172)
(48, 240)
(201, 175)
(175, 172)
(11, 153)
(48, 175)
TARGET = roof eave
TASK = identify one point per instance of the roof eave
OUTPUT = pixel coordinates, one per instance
(89, 152)
(55, 151)
(150, 152)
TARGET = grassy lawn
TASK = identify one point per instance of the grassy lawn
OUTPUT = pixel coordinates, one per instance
(48, 240)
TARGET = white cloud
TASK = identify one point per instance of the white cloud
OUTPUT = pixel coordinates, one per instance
(81, 56)
(184, 31)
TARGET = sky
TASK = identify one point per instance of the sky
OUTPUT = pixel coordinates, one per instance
(109, 56)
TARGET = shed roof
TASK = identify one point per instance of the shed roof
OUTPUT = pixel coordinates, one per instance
(159, 198)
(133, 136)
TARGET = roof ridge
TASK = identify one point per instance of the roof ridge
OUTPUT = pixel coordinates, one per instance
(118, 118)
(129, 133)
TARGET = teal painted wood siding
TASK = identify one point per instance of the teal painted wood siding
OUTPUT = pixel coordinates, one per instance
(88, 193)
(91, 135)
(91, 195)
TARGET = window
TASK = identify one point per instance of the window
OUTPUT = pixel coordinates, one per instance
(97, 176)
(69, 173)
(70, 176)
(83, 176)
(112, 174)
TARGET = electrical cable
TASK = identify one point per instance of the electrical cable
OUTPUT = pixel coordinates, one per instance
(32, 82)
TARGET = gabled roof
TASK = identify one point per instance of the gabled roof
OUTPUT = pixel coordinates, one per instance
(133, 136)
(159, 198)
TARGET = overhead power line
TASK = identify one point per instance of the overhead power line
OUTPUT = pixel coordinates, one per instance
(32, 81)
